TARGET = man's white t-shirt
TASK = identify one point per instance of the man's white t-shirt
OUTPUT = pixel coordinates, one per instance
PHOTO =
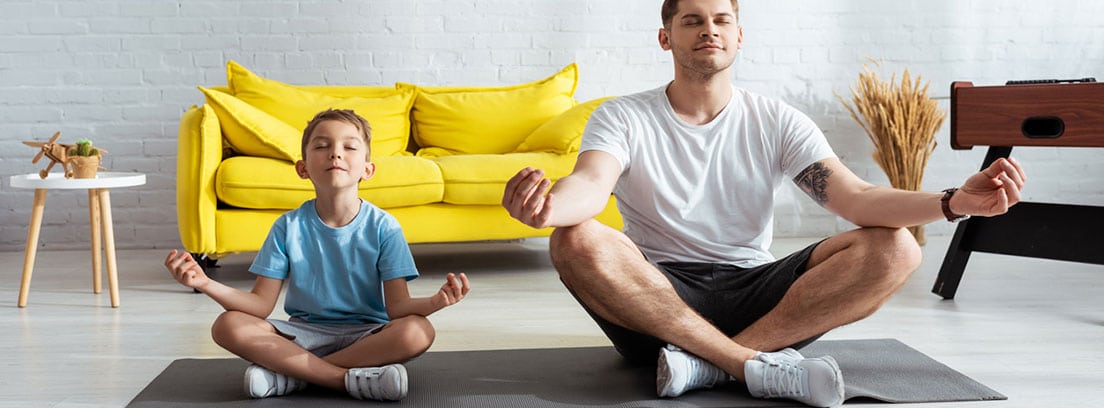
(704, 193)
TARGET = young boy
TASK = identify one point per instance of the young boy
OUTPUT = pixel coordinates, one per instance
(346, 265)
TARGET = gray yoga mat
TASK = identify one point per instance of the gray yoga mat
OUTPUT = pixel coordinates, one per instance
(884, 369)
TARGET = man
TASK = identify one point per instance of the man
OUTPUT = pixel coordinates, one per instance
(690, 283)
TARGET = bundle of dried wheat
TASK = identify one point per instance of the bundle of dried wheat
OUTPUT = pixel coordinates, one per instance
(901, 119)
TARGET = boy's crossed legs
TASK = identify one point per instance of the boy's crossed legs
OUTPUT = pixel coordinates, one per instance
(336, 367)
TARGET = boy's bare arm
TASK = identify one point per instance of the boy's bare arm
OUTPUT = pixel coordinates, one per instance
(400, 304)
(259, 302)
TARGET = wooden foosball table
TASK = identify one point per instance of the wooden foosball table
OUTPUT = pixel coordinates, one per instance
(1052, 113)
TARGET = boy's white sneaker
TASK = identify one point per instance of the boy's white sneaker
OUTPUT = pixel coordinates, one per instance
(261, 382)
(678, 372)
(812, 381)
(387, 383)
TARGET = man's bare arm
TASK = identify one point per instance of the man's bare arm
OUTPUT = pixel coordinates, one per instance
(573, 199)
(814, 182)
(833, 186)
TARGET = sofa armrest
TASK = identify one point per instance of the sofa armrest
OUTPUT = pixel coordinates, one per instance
(199, 152)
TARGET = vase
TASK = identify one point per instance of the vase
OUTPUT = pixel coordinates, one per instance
(83, 167)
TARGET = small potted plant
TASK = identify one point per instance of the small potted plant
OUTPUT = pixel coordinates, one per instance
(84, 159)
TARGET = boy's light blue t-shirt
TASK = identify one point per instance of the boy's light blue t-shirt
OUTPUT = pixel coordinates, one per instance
(335, 275)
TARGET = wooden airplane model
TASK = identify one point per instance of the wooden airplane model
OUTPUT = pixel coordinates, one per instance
(56, 152)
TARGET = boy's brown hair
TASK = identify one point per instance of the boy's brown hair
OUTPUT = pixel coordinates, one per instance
(343, 115)
(670, 8)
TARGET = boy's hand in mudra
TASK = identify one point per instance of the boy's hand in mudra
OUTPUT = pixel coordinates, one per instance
(453, 291)
(185, 270)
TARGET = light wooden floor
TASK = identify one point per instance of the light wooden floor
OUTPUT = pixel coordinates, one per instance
(1031, 329)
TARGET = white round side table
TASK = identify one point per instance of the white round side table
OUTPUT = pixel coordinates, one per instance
(99, 220)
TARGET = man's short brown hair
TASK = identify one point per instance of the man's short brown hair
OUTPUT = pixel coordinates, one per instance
(670, 8)
(343, 115)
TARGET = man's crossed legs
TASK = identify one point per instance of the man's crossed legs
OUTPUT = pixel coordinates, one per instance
(787, 303)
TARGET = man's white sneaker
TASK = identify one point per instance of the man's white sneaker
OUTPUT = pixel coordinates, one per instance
(678, 372)
(387, 383)
(261, 382)
(812, 381)
(786, 354)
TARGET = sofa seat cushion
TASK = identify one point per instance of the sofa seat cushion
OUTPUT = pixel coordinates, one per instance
(480, 179)
(265, 183)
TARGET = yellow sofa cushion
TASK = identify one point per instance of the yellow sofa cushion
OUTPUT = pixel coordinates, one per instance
(387, 109)
(252, 132)
(562, 134)
(480, 179)
(488, 120)
(264, 183)
(240, 79)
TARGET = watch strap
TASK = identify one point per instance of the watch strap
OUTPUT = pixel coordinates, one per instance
(945, 203)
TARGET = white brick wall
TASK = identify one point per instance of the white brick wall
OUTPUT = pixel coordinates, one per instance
(122, 71)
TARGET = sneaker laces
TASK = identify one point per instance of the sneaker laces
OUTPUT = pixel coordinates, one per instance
(784, 380)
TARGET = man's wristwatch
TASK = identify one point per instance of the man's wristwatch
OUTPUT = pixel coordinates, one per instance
(945, 202)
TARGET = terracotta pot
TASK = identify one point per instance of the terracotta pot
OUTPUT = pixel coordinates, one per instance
(84, 167)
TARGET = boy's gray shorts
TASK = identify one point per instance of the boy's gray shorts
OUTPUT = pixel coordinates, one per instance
(323, 339)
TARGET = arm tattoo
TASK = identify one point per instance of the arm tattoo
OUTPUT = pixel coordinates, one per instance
(814, 181)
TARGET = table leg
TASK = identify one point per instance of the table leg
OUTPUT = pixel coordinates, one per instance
(97, 234)
(109, 245)
(37, 209)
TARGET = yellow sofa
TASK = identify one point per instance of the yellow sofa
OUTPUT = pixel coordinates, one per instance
(442, 154)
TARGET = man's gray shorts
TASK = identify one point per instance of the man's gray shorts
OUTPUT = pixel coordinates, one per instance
(323, 339)
(730, 297)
